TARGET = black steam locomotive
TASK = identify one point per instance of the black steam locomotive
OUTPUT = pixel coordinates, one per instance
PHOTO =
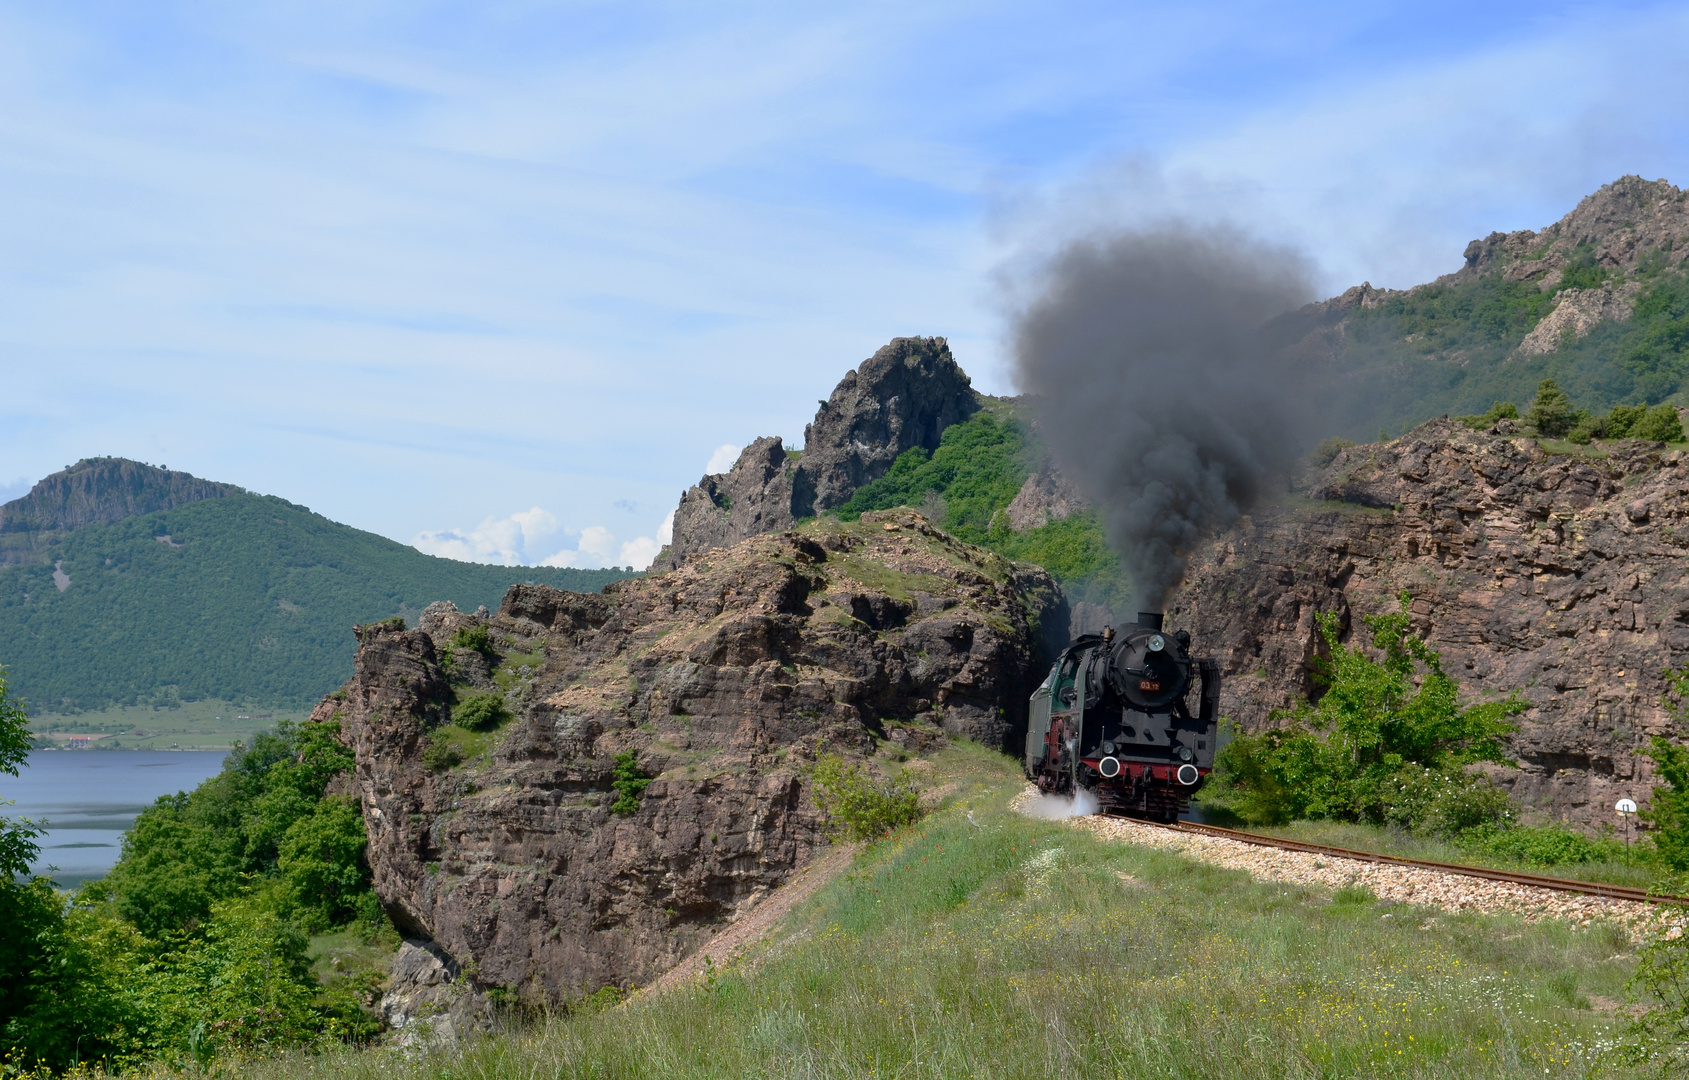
(1111, 719)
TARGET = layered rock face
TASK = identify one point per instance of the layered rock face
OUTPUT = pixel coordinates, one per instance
(724, 679)
(902, 397)
(1560, 576)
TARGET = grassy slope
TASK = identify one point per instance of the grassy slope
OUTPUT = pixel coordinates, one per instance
(1020, 948)
(255, 605)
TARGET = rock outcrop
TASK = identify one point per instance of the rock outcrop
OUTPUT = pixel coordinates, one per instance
(1048, 495)
(1577, 312)
(902, 397)
(723, 679)
(1560, 576)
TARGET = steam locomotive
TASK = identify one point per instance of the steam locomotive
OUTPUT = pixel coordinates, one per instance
(1111, 718)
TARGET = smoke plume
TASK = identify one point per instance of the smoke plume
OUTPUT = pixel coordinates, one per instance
(1157, 391)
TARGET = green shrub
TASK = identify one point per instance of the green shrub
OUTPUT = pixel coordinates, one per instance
(1659, 424)
(1623, 418)
(439, 755)
(1387, 742)
(859, 806)
(1540, 846)
(1328, 449)
(1551, 414)
(629, 783)
(481, 712)
(475, 638)
(1501, 410)
(1435, 801)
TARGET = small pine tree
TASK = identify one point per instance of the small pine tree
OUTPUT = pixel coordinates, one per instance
(1551, 413)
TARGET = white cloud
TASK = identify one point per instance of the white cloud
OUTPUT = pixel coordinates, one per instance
(722, 460)
(507, 541)
(639, 552)
(519, 539)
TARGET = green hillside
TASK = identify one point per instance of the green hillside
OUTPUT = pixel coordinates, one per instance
(250, 599)
(1457, 345)
(966, 484)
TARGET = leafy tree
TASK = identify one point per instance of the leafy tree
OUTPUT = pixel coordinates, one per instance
(1388, 741)
(172, 871)
(87, 1003)
(1668, 806)
(322, 859)
(187, 851)
(29, 909)
(1551, 413)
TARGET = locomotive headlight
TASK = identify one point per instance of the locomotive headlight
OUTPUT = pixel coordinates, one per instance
(1157, 643)
(1185, 753)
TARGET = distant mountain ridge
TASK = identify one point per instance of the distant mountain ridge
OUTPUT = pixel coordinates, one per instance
(126, 583)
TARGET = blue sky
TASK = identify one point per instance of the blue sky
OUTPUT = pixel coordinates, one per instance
(501, 279)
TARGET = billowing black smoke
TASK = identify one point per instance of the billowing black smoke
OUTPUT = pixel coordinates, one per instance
(1157, 391)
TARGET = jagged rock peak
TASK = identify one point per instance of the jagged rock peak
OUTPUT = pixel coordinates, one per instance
(902, 397)
(1617, 227)
(104, 490)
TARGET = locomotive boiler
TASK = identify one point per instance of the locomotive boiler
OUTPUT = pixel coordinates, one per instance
(1112, 718)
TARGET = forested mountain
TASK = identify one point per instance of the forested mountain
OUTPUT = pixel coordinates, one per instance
(120, 582)
(1598, 301)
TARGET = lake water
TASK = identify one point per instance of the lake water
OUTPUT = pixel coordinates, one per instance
(90, 797)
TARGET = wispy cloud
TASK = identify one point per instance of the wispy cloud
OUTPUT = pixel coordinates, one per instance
(588, 242)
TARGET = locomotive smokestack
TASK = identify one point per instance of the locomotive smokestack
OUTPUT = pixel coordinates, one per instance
(1162, 396)
(1150, 620)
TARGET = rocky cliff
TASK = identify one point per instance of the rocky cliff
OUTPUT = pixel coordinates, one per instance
(1561, 576)
(725, 679)
(902, 397)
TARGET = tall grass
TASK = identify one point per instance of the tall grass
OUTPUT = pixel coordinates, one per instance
(1007, 947)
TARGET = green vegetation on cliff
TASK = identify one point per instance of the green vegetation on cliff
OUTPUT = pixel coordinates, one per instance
(1454, 348)
(967, 484)
(245, 598)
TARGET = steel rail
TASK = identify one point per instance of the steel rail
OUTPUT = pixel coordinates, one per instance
(1587, 888)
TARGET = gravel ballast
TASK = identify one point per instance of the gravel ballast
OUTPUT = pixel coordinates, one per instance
(1394, 884)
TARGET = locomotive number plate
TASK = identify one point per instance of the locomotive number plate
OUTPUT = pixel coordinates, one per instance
(1148, 684)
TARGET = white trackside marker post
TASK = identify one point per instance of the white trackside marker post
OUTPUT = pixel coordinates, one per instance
(1627, 810)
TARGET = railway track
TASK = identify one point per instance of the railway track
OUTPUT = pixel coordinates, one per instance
(1586, 888)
